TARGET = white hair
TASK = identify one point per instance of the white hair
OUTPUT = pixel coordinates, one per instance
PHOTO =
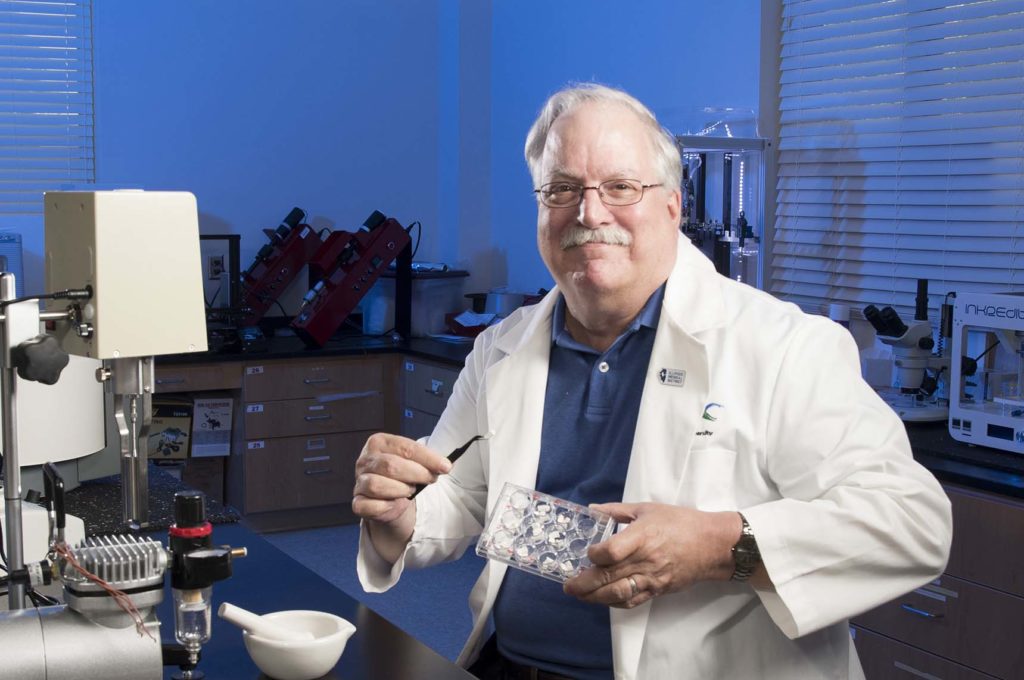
(570, 98)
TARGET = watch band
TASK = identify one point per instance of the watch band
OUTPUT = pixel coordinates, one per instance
(745, 553)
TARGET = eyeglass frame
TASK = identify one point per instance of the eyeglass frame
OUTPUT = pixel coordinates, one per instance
(582, 189)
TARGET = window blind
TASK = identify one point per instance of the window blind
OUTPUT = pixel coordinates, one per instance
(46, 100)
(901, 151)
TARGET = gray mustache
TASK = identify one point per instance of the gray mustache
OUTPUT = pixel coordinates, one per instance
(579, 236)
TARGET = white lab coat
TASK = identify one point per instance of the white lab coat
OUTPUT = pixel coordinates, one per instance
(821, 468)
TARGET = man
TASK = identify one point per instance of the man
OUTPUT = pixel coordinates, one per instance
(769, 494)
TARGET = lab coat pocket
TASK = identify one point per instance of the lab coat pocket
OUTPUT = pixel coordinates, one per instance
(709, 480)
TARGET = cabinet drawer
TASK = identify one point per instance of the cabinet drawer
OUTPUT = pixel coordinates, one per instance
(970, 624)
(296, 417)
(198, 377)
(987, 546)
(302, 379)
(427, 387)
(883, 658)
(416, 424)
(299, 472)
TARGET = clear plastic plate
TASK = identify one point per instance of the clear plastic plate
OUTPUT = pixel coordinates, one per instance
(542, 534)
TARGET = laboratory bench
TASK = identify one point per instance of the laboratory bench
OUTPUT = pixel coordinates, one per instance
(266, 580)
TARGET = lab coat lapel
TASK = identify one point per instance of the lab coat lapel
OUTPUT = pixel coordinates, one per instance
(668, 420)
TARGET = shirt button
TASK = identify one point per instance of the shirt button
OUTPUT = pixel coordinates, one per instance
(603, 367)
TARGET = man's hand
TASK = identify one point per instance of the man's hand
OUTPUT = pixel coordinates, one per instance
(387, 472)
(664, 549)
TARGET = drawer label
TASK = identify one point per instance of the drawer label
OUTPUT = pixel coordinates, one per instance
(315, 459)
(316, 444)
(253, 370)
(316, 407)
(259, 444)
(409, 366)
(254, 408)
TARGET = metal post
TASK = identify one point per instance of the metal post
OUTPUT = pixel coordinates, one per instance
(131, 382)
(12, 469)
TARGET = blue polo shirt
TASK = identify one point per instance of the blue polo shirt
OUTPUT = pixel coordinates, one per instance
(590, 412)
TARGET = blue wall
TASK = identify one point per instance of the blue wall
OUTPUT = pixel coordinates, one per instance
(677, 56)
(417, 108)
(260, 105)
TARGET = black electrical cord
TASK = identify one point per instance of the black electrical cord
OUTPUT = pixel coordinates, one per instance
(3, 552)
(41, 600)
(990, 348)
(69, 294)
(419, 236)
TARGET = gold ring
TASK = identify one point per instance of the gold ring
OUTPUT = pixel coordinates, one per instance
(633, 587)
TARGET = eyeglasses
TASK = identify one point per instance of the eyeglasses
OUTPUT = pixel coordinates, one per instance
(616, 192)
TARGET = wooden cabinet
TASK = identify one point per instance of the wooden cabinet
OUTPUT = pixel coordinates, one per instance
(426, 388)
(197, 377)
(302, 424)
(968, 622)
(883, 658)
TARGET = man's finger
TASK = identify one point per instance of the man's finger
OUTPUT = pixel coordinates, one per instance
(616, 549)
(410, 449)
(620, 512)
(380, 487)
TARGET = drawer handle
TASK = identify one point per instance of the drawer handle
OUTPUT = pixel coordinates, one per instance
(437, 391)
(316, 381)
(323, 471)
(913, 671)
(325, 416)
(169, 381)
(920, 612)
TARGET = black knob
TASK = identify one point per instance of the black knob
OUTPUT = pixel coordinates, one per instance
(39, 359)
(189, 509)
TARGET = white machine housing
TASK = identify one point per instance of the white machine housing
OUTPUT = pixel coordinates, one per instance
(139, 250)
(988, 407)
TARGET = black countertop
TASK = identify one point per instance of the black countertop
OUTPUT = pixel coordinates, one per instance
(98, 503)
(268, 580)
(975, 466)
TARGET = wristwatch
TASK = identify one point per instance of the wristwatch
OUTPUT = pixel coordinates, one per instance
(745, 554)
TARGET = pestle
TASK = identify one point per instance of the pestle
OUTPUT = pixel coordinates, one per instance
(257, 625)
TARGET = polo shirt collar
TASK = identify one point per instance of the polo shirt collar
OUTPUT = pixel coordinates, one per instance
(647, 317)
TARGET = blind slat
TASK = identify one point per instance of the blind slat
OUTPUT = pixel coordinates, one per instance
(901, 150)
(46, 101)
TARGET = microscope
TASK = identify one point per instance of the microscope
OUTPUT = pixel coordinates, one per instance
(917, 368)
(106, 303)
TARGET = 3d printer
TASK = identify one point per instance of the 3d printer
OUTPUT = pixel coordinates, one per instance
(986, 403)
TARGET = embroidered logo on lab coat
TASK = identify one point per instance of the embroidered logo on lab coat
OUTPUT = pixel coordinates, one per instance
(707, 411)
(672, 376)
(707, 416)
